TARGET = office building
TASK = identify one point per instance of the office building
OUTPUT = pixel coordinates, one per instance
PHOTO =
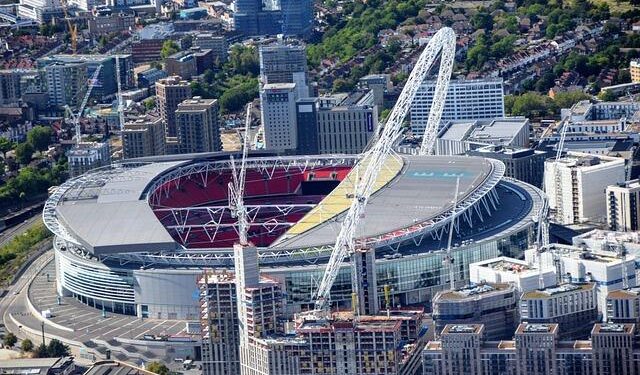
(170, 92)
(513, 271)
(623, 206)
(198, 126)
(285, 62)
(524, 164)
(287, 17)
(66, 83)
(342, 124)
(466, 100)
(143, 137)
(623, 306)
(634, 69)
(535, 350)
(573, 306)
(346, 129)
(576, 186)
(216, 43)
(279, 116)
(10, 90)
(87, 156)
(458, 137)
(494, 305)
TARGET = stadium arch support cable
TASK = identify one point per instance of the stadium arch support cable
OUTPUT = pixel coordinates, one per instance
(444, 40)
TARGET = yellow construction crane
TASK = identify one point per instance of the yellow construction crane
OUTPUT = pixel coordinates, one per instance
(73, 28)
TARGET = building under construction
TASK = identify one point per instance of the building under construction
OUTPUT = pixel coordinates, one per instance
(252, 337)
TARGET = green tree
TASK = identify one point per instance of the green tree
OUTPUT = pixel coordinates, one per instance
(169, 47)
(39, 137)
(41, 352)
(568, 99)
(607, 96)
(24, 153)
(10, 340)
(26, 345)
(57, 349)
(158, 368)
(6, 146)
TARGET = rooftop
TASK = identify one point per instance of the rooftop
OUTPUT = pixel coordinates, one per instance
(631, 293)
(558, 290)
(613, 328)
(462, 328)
(472, 291)
(537, 328)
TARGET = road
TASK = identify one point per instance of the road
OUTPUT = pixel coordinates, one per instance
(10, 233)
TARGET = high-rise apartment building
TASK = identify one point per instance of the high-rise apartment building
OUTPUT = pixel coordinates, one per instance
(87, 156)
(285, 62)
(576, 186)
(273, 17)
(238, 310)
(535, 350)
(170, 92)
(623, 206)
(573, 306)
(493, 305)
(10, 90)
(279, 116)
(143, 137)
(198, 126)
(466, 100)
(66, 83)
(623, 306)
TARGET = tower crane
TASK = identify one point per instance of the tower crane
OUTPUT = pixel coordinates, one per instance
(75, 118)
(236, 187)
(73, 28)
(380, 151)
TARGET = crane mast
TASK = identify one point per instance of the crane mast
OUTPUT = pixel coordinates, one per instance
(75, 118)
(236, 187)
(380, 151)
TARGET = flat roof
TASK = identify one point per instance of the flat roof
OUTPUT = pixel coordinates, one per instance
(472, 292)
(402, 202)
(557, 290)
(536, 328)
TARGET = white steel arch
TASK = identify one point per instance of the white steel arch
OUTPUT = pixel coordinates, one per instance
(376, 156)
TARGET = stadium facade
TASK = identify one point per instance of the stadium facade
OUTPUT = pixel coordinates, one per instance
(135, 237)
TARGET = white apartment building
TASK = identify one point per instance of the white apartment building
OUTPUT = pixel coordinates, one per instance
(576, 184)
(466, 100)
(622, 206)
(37, 9)
(279, 116)
(87, 156)
(607, 269)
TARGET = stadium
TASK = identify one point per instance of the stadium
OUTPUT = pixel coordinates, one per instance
(132, 238)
